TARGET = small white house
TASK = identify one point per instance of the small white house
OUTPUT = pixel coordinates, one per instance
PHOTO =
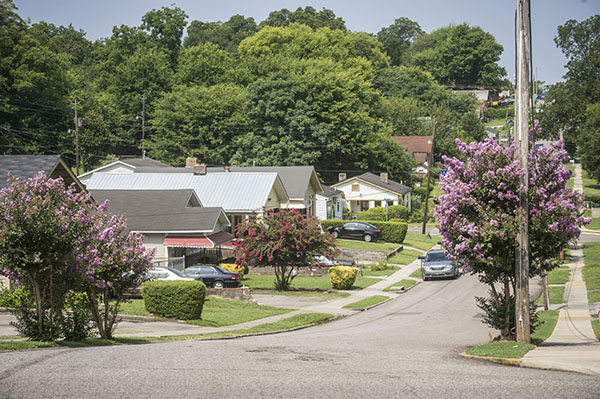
(330, 203)
(369, 190)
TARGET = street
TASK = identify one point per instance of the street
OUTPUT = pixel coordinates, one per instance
(408, 347)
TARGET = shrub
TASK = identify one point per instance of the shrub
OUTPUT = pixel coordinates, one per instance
(397, 220)
(174, 299)
(376, 213)
(234, 268)
(393, 231)
(499, 113)
(78, 323)
(327, 223)
(16, 296)
(397, 212)
(342, 277)
(379, 267)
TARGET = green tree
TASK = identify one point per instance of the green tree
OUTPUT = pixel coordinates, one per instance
(460, 55)
(166, 28)
(227, 35)
(589, 141)
(306, 16)
(203, 64)
(397, 39)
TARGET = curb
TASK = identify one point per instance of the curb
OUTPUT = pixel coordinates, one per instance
(498, 360)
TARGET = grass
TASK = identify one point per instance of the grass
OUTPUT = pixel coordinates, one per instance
(302, 283)
(404, 257)
(402, 283)
(516, 350)
(590, 186)
(386, 247)
(560, 275)
(495, 122)
(416, 274)
(367, 302)
(374, 273)
(134, 307)
(596, 328)
(421, 241)
(591, 271)
(299, 320)
(595, 224)
(571, 181)
(557, 296)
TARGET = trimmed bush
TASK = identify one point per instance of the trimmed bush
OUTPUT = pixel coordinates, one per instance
(327, 223)
(233, 268)
(397, 212)
(376, 213)
(499, 113)
(342, 277)
(393, 231)
(181, 300)
(16, 296)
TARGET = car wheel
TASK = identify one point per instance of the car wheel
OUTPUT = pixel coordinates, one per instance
(335, 234)
(424, 278)
(218, 284)
(368, 238)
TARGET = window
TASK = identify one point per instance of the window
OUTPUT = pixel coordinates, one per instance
(377, 203)
(356, 187)
(364, 206)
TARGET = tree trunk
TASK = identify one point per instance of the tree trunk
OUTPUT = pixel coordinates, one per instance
(508, 309)
(38, 305)
(96, 312)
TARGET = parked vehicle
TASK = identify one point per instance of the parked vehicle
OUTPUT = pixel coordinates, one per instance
(325, 261)
(156, 273)
(356, 230)
(213, 276)
(436, 264)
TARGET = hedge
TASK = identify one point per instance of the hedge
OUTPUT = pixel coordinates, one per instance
(177, 299)
(342, 277)
(499, 113)
(390, 231)
(377, 213)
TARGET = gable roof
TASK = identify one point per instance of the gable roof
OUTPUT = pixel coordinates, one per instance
(244, 192)
(330, 192)
(130, 163)
(163, 211)
(481, 95)
(375, 180)
(415, 144)
(28, 166)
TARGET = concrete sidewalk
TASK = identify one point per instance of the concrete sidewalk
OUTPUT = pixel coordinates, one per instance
(573, 346)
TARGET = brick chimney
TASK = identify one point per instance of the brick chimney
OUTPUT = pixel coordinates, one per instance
(227, 168)
(189, 161)
(200, 169)
(341, 176)
(384, 176)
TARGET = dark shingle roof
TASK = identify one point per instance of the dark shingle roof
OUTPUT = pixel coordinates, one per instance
(27, 166)
(159, 210)
(329, 191)
(390, 185)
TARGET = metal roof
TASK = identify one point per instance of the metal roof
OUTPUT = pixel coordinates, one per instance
(244, 192)
(160, 210)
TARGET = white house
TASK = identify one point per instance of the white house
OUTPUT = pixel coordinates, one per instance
(369, 190)
(330, 203)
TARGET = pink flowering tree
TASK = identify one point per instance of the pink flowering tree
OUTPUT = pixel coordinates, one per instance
(285, 240)
(478, 219)
(54, 240)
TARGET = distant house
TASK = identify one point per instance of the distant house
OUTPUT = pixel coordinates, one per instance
(482, 96)
(330, 203)
(27, 166)
(418, 146)
(173, 222)
(368, 190)
(127, 165)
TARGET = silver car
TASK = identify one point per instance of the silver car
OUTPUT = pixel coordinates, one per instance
(436, 264)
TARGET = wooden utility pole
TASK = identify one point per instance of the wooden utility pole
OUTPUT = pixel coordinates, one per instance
(76, 120)
(523, 31)
(143, 124)
(429, 163)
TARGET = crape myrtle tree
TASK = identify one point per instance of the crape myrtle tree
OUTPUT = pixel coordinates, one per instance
(478, 218)
(54, 240)
(284, 239)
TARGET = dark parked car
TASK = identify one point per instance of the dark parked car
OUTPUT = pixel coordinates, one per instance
(357, 231)
(436, 264)
(213, 276)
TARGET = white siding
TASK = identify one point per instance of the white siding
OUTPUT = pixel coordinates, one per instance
(366, 192)
(156, 240)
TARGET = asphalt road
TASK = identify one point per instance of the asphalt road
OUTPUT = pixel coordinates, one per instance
(406, 348)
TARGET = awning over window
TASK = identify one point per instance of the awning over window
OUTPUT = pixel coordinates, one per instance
(207, 241)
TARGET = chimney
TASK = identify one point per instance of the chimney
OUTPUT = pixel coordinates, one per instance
(200, 169)
(227, 168)
(341, 176)
(384, 176)
(189, 161)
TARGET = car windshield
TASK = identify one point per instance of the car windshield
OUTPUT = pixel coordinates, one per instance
(436, 257)
(177, 272)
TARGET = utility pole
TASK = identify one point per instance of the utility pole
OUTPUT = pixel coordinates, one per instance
(523, 31)
(143, 124)
(429, 163)
(76, 120)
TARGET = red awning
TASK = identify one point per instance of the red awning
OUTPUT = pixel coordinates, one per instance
(210, 241)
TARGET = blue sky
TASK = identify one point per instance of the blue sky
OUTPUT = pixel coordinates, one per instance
(97, 18)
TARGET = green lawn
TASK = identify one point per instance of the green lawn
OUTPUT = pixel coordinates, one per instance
(591, 271)
(367, 246)
(365, 303)
(572, 179)
(595, 224)
(547, 320)
(590, 186)
(402, 283)
(421, 241)
(495, 122)
(404, 257)
(417, 273)
(302, 283)
(596, 328)
(216, 312)
(560, 275)
(557, 296)
(386, 272)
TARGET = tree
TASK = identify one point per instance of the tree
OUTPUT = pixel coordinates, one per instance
(460, 55)
(397, 39)
(227, 35)
(305, 16)
(478, 218)
(166, 28)
(286, 240)
(589, 141)
(203, 64)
